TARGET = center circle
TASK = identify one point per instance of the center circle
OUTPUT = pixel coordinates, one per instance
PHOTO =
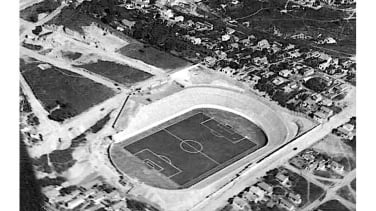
(191, 146)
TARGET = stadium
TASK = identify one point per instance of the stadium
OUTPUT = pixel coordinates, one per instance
(196, 140)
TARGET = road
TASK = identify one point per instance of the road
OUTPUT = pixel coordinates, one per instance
(250, 176)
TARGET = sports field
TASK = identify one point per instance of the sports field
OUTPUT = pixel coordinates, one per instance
(193, 148)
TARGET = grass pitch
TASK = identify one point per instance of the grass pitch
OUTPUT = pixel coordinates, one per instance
(194, 148)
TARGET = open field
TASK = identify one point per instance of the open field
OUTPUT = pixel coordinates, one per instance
(63, 94)
(331, 206)
(192, 146)
(346, 193)
(152, 56)
(123, 74)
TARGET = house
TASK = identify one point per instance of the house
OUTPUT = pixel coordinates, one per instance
(255, 194)
(316, 97)
(327, 102)
(279, 80)
(179, 18)
(234, 45)
(270, 203)
(120, 206)
(275, 48)
(93, 207)
(263, 44)
(284, 203)
(340, 88)
(321, 116)
(298, 163)
(285, 73)
(257, 191)
(300, 36)
(326, 110)
(210, 61)
(255, 79)
(267, 74)
(240, 204)
(260, 61)
(75, 203)
(348, 127)
(251, 197)
(324, 65)
(205, 26)
(141, 3)
(307, 71)
(230, 30)
(128, 24)
(295, 198)
(266, 187)
(338, 168)
(294, 54)
(329, 40)
(225, 37)
(196, 41)
(283, 179)
(99, 197)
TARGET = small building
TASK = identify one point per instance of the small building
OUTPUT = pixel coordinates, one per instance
(338, 168)
(179, 18)
(251, 197)
(210, 61)
(120, 206)
(321, 116)
(307, 71)
(266, 187)
(324, 65)
(260, 61)
(279, 80)
(128, 24)
(75, 203)
(263, 44)
(327, 102)
(225, 37)
(257, 191)
(285, 73)
(240, 203)
(326, 110)
(203, 26)
(348, 127)
(294, 54)
(295, 198)
(283, 179)
(316, 97)
(230, 30)
(298, 163)
(284, 203)
(196, 41)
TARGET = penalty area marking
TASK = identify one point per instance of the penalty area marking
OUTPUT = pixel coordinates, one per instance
(165, 159)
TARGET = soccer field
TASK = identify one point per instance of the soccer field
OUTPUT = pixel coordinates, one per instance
(193, 148)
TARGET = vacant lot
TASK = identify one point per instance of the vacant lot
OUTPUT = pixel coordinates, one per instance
(118, 72)
(332, 205)
(31, 13)
(62, 93)
(152, 56)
